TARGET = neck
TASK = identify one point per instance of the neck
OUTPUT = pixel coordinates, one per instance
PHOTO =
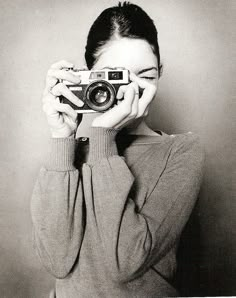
(140, 127)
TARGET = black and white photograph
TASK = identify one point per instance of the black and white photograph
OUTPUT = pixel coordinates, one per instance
(117, 148)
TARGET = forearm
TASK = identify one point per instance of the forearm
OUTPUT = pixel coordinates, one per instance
(134, 240)
(57, 209)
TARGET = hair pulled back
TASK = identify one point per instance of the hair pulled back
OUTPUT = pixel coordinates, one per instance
(124, 20)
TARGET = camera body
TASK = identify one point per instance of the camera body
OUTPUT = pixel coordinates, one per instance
(97, 89)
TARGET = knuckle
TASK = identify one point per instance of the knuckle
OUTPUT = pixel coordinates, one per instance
(63, 61)
(56, 63)
(49, 72)
(128, 112)
(135, 113)
(132, 116)
(125, 112)
(135, 85)
(53, 65)
(67, 107)
(59, 87)
(70, 76)
(139, 115)
(123, 88)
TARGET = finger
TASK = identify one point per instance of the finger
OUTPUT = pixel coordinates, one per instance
(141, 82)
(50, 110)
(53, 80)
(59, 113)
(121, 91)
(66, 109)
(72, 122)
(146, 98)
(62, 89)
(135, 107)
(122, 111)
(146, 111)
(127, 109)
(134, 111)
(62, 74)
(113, 116)
(133, 114)
(50, 83)
(48, 97)
(54, 75)
(84, 67)
(129, 96)
(62, 64)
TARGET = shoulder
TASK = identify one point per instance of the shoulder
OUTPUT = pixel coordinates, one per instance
(184, 150)
(188, 142)
(188, 148)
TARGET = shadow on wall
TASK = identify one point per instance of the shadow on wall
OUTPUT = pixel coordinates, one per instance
(189, 269)
(21, 274)
(25, 282)
(206, 255)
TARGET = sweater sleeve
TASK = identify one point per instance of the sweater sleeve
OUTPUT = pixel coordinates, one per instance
(57, 209)
(135, 240)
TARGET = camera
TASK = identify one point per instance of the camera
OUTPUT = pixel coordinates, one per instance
(97, 89)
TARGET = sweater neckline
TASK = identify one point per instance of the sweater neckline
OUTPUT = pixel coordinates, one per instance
(143, 139)
(138, 139)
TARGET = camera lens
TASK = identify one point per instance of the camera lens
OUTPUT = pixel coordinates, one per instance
(100, 95)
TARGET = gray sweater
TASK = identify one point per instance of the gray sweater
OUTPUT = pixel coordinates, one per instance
(107, 223)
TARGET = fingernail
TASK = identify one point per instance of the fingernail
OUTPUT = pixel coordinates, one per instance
(80, 103)
(78, 79)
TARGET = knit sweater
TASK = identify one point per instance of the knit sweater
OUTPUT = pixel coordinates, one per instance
(108, 213)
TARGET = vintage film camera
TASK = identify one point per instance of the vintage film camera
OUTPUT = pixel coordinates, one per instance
(97, 89)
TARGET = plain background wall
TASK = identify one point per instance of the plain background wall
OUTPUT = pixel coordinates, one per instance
(195, 94)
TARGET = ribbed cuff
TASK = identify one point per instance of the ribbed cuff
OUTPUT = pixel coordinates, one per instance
(61, 154)
(102, 143)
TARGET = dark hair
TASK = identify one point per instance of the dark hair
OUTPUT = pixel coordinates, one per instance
(124, 20)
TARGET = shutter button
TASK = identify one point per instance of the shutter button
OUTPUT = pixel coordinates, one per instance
(84, 139)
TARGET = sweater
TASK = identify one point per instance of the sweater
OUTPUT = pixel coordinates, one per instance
(108, 212)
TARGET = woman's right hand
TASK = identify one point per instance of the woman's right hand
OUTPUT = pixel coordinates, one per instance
(62, 118)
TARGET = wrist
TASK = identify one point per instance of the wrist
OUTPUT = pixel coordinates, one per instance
(96, 123)
(62, 135)
(102, 143)
(61, 154)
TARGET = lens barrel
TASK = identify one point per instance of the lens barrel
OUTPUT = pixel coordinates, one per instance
(100, 95)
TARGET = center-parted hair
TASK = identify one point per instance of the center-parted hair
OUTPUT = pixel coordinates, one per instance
(124, 20)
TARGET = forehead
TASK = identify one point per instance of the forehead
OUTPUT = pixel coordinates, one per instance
(133, 54)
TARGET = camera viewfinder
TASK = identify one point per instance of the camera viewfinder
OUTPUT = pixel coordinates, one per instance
(115, 75)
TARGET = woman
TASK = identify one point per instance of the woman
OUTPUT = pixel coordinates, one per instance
(107, 223)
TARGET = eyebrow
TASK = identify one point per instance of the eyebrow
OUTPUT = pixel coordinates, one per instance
(147, 69)
(108, 67)
(141, 71)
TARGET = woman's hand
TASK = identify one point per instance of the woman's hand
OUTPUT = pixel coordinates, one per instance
(131, 107)
(62, 119)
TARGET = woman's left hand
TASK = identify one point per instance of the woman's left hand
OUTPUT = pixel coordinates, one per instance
(131, 107)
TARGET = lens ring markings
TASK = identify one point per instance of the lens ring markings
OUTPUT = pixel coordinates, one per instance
(106, 89)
